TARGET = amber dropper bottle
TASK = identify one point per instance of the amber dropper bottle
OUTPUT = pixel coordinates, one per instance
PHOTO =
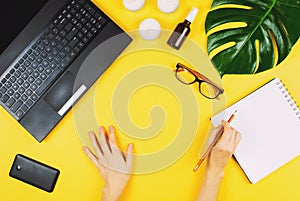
(182, 30)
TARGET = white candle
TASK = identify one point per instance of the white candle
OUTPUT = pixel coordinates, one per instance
(149, 29)
(167, 6)
(133, 5)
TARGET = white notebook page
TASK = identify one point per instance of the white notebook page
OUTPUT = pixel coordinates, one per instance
(270, 129)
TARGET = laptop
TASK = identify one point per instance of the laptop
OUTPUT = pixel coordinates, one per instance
(43, 45)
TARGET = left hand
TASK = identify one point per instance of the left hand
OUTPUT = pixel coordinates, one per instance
(114, 166)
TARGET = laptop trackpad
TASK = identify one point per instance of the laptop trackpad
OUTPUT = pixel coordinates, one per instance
(61, 92)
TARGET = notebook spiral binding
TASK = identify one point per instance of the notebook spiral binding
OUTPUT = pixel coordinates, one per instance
(289, 99)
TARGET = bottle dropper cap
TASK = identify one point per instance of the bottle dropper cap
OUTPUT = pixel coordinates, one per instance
(191, 16)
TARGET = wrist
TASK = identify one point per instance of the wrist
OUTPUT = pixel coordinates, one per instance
(107, 195)
(216, 173)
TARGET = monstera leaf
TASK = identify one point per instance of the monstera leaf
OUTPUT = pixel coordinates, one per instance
(262, 37)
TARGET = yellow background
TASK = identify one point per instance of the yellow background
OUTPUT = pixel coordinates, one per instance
(80, 180)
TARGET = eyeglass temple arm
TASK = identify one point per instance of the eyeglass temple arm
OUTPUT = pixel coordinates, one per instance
(204, 78)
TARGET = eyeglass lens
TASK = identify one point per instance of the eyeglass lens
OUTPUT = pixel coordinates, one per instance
(185, 76)
(208, 90)
(205, 88)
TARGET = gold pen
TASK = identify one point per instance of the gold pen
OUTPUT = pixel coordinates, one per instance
(218, 135)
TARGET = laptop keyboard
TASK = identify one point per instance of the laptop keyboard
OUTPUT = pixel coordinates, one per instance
(49, 55)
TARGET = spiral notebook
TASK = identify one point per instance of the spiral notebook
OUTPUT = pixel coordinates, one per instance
(269, 122)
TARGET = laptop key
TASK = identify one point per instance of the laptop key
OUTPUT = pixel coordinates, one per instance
(7, 76)
(44, 55)
(67, 49)
(34, 46)
(39, 60)
(19, 114)
(38, 81)
(48, 49)
(88, 25)
(69, 16)
(74, 21)
(34, 97)
(10, 92)
(16, 106)
(13, 79)
(62, 23)
(27, 63)
(21, 61)
(12, 71)
(48, 81)
(15, 87)
(50, 58)
(80, 35)
(31, 79)
(43, 76)
(72, 33)
(87, 16)
(48, 71)
(3, 89)
(4, 98)
(40, 69)
(17, 73)
(29, 92)
(8, 84)
(16, 66)
(20, 81)
(31, 58)
(81, 2)
(77, 6)
(21, 90)
(52, 65)
(29, 70)
(33, 87)
(10, 102)
(74, 41)
(93, 20)
(24, 108)
(29, 102)
(26, 84)
(22, 68)
(45, 63)
(82, 11)
(73, 11)
(34, 65)
(24, 97)
(17, 95)
(98, 25)
(25, 76)
(36, 74)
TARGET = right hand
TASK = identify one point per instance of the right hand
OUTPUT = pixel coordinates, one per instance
(223, 150)
(114, 165)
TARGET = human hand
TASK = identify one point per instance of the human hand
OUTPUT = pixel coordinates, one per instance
(114, 165)
(217, 160)
(223, 150)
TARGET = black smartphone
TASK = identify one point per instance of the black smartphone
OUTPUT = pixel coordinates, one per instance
(34, 173)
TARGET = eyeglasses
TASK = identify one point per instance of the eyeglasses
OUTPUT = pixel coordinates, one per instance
(206, 87)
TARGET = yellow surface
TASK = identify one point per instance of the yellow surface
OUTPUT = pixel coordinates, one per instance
(80, 180)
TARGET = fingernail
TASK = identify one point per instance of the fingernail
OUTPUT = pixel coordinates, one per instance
(130, 146)
(111, 128)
